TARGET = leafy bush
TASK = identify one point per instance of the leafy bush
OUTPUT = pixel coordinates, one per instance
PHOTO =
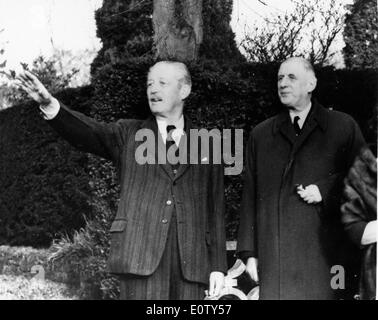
(44, 187)
(89, 249)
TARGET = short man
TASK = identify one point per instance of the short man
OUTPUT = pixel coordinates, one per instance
(288, 234)
(168, 237)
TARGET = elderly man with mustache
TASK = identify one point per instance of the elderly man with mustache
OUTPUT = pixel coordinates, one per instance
(168, 237)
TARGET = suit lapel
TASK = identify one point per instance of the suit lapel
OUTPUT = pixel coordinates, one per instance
(308, 128)
(316, 118)
(284, 125)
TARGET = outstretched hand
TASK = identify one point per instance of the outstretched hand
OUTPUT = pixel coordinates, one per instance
(34, 88)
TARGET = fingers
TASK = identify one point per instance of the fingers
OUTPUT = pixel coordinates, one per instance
(29, 80)
(216, 283)
(212, 287)
(25, 79)
(306, 197)
(217, 289)
(31, 77)
(255, 275)
(252, 269)
(21, 84)
(300, 188)
(309, 194)
(24, 85)
(34, 88)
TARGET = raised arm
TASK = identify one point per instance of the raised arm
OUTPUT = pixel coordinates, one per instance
(81, 131)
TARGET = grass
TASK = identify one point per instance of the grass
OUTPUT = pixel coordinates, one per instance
(21, 288)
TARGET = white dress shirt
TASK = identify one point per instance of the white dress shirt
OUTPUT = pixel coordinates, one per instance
(301, 114)
(176, 134)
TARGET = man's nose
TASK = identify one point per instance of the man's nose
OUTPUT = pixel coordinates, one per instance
(153, 88)
(282, 83)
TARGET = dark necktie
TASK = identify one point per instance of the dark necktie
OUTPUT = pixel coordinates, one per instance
(297, 129)
(170, 142)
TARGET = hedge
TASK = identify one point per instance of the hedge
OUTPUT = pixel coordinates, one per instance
(44, 187)
(47, 187)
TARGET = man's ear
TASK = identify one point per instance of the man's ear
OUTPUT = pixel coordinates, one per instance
(185, 91)
(311, 84)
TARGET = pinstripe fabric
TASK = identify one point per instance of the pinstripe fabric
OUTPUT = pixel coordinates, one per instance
(148, 196)
(167, 282)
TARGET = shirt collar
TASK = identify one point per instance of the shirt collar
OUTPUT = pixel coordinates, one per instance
(301, 114)
(176, 135)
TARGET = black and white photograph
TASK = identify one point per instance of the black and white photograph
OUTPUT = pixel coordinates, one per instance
(202, 151)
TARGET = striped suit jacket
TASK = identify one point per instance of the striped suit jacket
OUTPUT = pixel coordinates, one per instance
(149, 194)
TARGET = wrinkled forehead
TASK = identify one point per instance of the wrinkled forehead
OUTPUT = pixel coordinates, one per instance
(293, 66)
(165, 70)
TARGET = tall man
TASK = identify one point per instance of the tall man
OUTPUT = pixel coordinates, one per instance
(296, 160)
(168, 237)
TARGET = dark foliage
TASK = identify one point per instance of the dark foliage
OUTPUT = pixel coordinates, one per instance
(126, 31)
(361, 35)
(218, 38)
(43, 181)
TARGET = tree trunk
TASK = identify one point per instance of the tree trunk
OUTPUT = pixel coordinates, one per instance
(178, 29)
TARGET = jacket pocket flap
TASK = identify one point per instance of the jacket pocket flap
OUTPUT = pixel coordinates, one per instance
(118, 226)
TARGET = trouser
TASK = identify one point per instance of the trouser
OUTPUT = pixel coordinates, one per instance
(167, 282)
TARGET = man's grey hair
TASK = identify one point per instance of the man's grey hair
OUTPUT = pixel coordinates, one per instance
(185, 74)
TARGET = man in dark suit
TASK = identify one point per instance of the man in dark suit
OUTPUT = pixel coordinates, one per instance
(290, 234)
(168, 237)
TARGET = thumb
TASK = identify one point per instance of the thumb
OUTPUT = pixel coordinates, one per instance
(211, 286)
(218, 286)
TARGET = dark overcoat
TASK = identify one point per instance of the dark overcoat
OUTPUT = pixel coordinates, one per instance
(296, 243)
(359, 208)
(149, 194)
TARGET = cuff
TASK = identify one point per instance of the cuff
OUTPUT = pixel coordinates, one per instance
(50, 111)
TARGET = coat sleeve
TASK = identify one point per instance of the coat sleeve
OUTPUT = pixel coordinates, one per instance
(353, 215)
(247, 234)
(217, 230)
(331, 187)
(360, 196)
(87, 134)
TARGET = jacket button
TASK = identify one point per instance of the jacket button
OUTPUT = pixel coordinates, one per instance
(169, 202)
(164, 221)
